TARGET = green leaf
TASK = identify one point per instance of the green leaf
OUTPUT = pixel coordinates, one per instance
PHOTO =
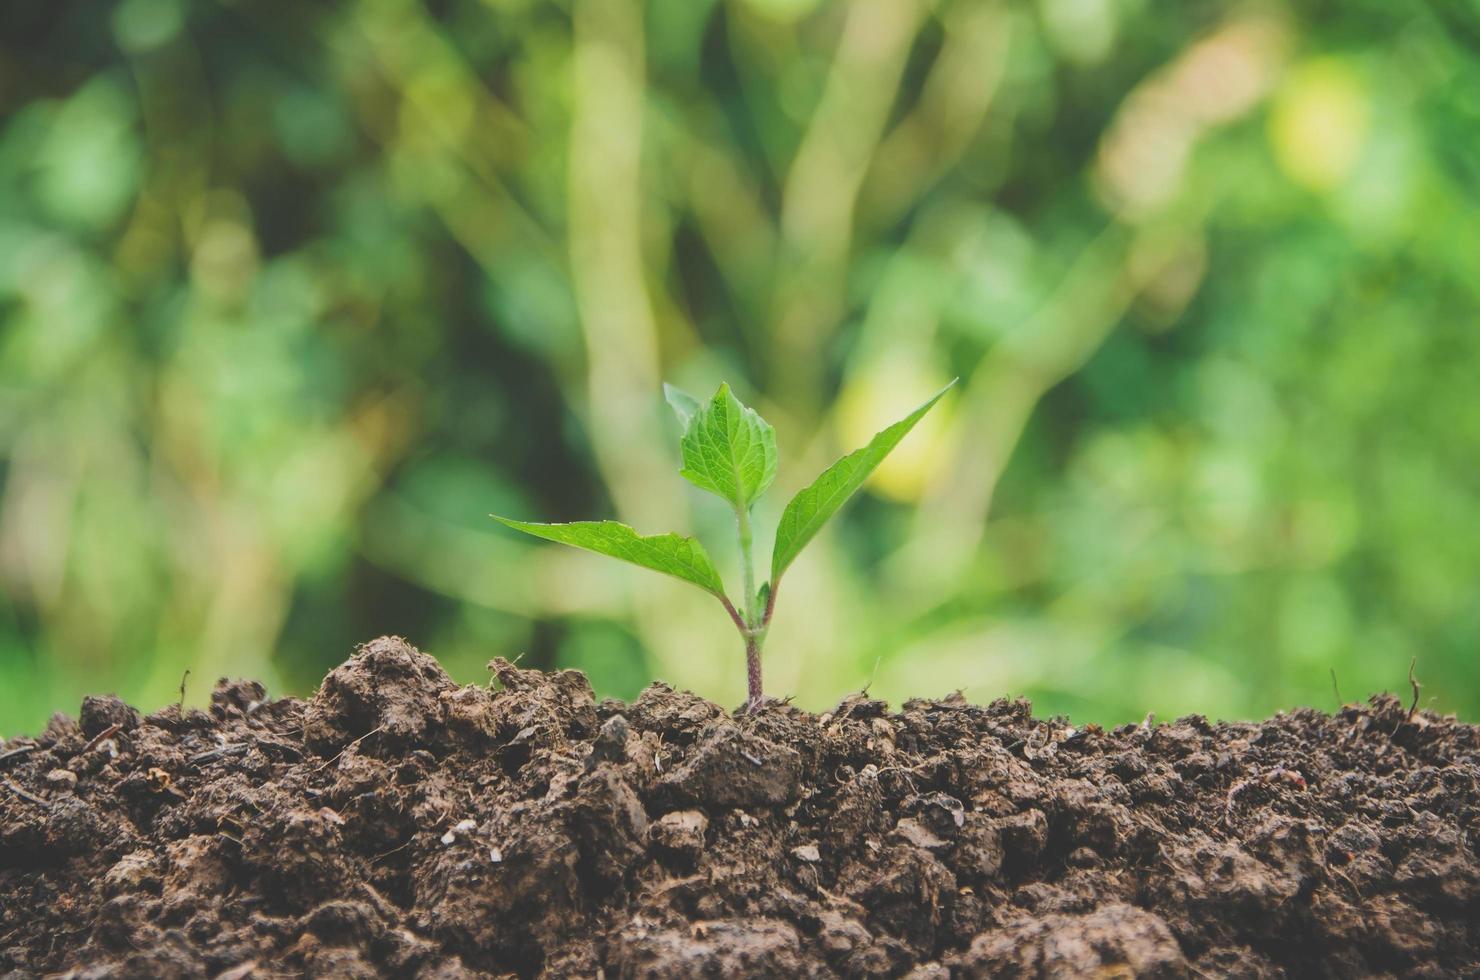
(813, 506)
(671, 554)
(729, 450)
(684, 405)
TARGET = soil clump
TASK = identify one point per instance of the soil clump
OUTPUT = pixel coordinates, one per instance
(398, 825)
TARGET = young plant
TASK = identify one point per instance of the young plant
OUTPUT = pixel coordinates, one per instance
(730, 451)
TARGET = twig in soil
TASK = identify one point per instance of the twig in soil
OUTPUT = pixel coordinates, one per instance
(493, 678)
(1350, 884)
(239, 972)
(1416, 688)
(236, 748)
(180, 707)
(382, 856)
(267, 743)
(351, 745)
(97, 739)
(1413, 705)
(13, 753)
(10, 785)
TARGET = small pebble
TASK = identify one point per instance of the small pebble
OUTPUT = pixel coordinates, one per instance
(62, 779)
(611, 742)
(1085, 857)
(681, 832)
(461, 827)
(914, 832)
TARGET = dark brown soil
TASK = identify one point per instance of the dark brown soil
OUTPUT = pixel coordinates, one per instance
(399, 825)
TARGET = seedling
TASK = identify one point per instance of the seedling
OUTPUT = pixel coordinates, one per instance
(730, 451)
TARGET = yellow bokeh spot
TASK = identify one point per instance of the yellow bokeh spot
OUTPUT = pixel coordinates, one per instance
(881, 395)
(1319, 123)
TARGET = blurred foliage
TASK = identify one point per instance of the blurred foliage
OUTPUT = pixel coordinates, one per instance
(293, 295)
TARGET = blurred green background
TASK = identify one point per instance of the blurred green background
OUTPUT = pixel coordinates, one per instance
(293, 295)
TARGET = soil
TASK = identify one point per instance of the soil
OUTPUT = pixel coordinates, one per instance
(397, 824)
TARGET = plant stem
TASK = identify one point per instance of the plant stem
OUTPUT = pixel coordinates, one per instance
(753, 670)
(742, 523)
(754, 631)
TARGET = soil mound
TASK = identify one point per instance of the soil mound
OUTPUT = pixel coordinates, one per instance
(399, 825)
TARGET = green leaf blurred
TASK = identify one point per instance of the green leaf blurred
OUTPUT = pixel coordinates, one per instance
(293, 295)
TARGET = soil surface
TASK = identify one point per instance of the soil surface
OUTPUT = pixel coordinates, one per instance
(397, 824)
